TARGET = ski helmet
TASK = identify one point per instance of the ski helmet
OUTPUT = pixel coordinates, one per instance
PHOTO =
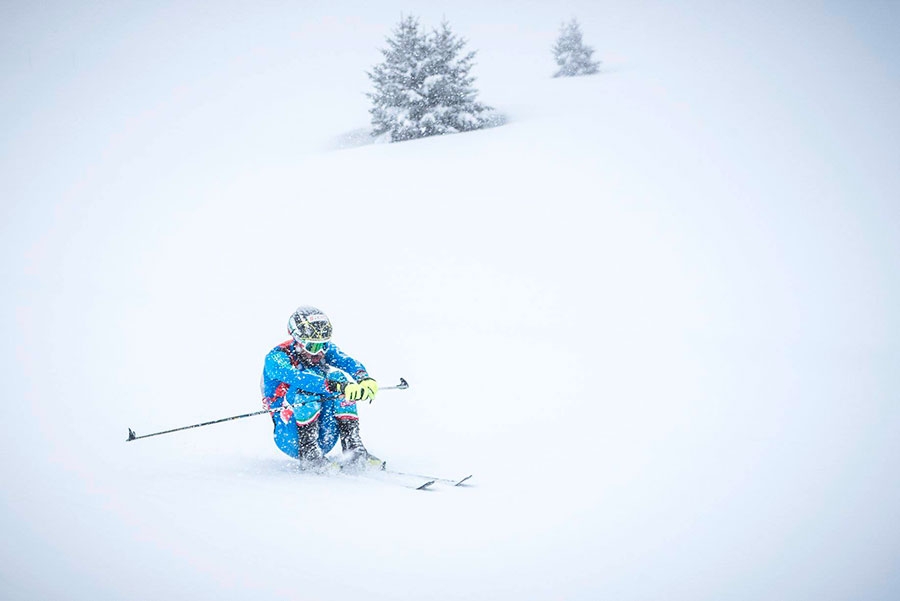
(308, 324)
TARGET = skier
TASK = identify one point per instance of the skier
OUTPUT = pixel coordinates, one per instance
(311, 388)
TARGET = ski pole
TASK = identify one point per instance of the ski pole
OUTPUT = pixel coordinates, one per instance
(401, 386)
(132, 436)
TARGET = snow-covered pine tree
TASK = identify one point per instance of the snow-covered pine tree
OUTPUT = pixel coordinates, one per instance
(423, 86)
(571, 54)
(395, 101)
(450, 95)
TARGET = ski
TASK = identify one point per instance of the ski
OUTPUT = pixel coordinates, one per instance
(376, 471)
(417, 485)
(451, 481)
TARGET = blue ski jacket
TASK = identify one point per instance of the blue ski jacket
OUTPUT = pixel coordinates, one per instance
(295, 377)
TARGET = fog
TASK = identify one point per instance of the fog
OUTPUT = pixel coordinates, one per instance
(654, 313)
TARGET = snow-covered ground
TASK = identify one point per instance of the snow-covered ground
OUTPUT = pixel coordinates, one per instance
(655, 314)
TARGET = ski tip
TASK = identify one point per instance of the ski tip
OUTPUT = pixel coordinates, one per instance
(131, 435)
(463, 480)
(425, 486)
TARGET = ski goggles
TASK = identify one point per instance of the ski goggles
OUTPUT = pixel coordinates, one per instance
(313, 347)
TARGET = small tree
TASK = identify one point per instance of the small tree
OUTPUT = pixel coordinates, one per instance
(423, 87)
(571, 54)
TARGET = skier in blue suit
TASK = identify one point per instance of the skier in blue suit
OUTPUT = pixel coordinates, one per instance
(311, 388)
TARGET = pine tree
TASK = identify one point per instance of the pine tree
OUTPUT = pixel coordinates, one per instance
(571, 54)
(423, 87)
(395, 102)
(450, 95)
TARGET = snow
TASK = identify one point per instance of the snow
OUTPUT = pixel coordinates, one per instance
(654, 313)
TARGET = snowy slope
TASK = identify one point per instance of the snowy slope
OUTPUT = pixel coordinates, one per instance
(654, 313)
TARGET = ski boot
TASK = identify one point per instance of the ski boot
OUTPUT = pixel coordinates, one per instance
(356, 457)
(311, 457)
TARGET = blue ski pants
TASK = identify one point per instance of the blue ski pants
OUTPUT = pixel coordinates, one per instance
(327, 412)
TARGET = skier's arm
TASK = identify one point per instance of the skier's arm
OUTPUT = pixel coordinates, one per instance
(367, 387)
(335, 357)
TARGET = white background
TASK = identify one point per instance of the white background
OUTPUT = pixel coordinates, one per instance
(655, 313)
